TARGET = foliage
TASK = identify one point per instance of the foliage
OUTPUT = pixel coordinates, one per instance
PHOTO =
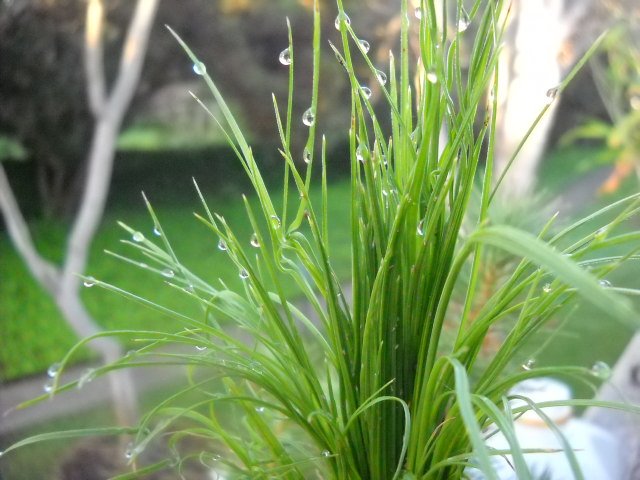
(11, 150)
(617, 76)
(374, 387)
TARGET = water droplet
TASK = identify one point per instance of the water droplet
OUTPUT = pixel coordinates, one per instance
(88, 375)
(420, 229)
(222, 245)
(201, 348)
(605, 283)
(244, 274)
(601, 233)
(326, 453)
(306, 156)
(128, 452)
(260, 409)
(546, 288)
(384, 193)
(48, 386)
(366, 91)
(381, 77)
(361, 152)
(418, 12)
(89, 282)
(601, 370)
(199, 68)
(275, 221)
(309, 117)
(529, 364)
(138, 237)
(53, 370)
(463, 21)
(157, 232)
(255, 243)
(340, 19)
(432, 76)
(215, 457)
(366, 46)
(552, 93)
(167, 272)
(285, 56)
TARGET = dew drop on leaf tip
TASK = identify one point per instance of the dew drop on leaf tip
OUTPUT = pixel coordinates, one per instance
(551, 94)
(199, 68)
(463, 22)
(340, 19)
(48, 386)
(53, 370)
(309, 117)
(306, 156)
(381, 77)
(285, 57)
(366, 91)
(128, 452)
(255, 243)
(529, 364)
(601, 370)
(168, 273)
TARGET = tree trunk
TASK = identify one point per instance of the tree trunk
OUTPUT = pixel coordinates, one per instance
(542, 42)
(624, 387)
(63, 283)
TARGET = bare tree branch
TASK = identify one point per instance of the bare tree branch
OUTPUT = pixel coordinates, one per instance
(93, 57)
(132, 57)
(108, 111)
(45, 272)
(103, 143)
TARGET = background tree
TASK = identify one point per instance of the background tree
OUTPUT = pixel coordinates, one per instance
(108, 109)
(532, 65)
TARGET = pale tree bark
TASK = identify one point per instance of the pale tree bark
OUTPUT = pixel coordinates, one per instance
(624, 387)
(63, 282)
(543, 41)
(529, 67)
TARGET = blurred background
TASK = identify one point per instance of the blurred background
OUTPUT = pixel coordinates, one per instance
(72, 105)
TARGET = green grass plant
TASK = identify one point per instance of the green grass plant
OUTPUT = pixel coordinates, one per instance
(390, 383)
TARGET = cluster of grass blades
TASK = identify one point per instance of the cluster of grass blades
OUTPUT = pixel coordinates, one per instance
(372, 386)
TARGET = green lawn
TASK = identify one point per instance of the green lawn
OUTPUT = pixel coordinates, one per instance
(34, 335)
